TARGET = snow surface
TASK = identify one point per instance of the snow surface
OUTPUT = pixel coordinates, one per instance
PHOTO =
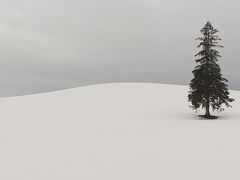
(122, 131)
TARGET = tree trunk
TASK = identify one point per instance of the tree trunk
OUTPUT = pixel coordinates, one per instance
(207, 115)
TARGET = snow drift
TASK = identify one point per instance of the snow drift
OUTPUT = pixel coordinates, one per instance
(122, 131)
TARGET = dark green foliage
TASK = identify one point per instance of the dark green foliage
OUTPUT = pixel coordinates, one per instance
(208, 88)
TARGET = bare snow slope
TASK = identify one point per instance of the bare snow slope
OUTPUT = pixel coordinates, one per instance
(122, 131)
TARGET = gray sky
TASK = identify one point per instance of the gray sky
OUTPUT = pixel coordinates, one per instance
(55, 44)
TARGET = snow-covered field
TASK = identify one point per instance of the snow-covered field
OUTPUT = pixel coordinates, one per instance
(122, 131)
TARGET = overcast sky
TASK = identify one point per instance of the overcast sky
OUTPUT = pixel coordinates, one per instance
(48, 45)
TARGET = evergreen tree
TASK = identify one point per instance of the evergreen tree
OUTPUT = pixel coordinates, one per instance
(208, 88)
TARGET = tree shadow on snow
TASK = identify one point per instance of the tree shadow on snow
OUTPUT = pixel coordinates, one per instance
(202, 118)
(219, 117)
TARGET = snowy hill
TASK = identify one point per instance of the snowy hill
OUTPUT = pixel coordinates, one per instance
(122, 131)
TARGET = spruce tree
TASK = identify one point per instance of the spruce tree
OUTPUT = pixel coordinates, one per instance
(208, 88)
